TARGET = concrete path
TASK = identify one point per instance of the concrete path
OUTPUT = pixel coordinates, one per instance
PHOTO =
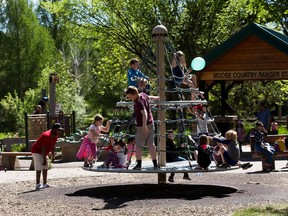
(74, 169)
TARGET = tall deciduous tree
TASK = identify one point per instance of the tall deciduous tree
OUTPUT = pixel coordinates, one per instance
(26, 47)
(278, 13)
(115, 27)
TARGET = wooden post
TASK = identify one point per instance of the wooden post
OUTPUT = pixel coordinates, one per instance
(73, 121)
(26, 131)
(279, 112)
(53, 79)
(224, 97)
(159, 34)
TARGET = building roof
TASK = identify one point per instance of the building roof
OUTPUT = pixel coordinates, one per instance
(274, 38)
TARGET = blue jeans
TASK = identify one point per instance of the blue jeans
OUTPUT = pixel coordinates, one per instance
(264, 151)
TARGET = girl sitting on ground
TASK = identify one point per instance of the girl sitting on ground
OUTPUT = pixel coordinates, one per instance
(217, 154)
(118, 155)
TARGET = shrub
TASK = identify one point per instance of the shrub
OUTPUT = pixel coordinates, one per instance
(19, 147)
(11, 108)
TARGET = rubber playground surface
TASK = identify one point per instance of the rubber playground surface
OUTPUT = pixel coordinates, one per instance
(75, 191)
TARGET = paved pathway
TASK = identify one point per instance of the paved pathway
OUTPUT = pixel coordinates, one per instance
(74, 169)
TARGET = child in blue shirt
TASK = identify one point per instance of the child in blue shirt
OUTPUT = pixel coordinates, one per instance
(136, 77)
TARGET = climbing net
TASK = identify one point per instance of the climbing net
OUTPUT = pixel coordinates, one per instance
(192, 117)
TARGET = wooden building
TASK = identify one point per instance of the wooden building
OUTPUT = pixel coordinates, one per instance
(254, 53)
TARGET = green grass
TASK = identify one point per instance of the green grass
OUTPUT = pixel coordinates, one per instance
(271, 210)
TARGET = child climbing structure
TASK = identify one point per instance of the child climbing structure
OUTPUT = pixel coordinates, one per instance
(189, 127)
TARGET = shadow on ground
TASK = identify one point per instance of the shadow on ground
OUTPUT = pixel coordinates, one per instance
(117, 195)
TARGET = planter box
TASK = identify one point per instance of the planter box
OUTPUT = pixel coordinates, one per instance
(69, 151)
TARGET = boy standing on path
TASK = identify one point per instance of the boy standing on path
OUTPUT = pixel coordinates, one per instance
(40, 150)
(144, 124)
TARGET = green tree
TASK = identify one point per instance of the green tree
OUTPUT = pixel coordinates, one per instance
(26, 48)
(10, 109)
(118, 30)
(277, 13)
(244, 98)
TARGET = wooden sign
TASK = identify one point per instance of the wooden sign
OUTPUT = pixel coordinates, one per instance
(245, 75)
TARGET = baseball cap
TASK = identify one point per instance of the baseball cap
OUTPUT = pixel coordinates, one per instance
(45, 98)
(57, 126)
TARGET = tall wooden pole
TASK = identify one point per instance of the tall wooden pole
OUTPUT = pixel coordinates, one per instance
(159, 34)
(53, 79)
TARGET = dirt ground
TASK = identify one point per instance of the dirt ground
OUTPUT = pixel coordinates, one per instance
(215, 193)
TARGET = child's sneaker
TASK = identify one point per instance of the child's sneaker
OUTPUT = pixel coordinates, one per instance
(186, 177)
(44, 186)
(246, 166)
(156, 167)
(38, 187)
(198, 167)
(268, 170)
(171, 179)
(104, 165)
(225, 166)
(137, 167)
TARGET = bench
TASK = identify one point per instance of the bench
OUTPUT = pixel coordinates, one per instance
(271, 139)
(11, 162)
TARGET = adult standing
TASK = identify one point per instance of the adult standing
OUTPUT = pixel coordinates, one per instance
(264, 116)
(40, 150)
(144, 124)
